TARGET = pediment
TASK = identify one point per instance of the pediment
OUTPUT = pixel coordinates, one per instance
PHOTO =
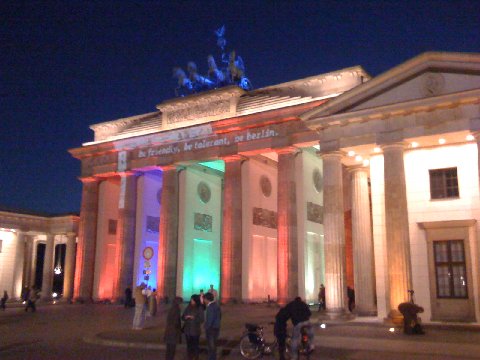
(425, 76)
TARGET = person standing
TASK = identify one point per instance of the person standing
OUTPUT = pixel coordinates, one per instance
(152, 303)
(173, 329)
(193, 317)
(280, 331)
(128, 297)
(3, 300)
(212, 324)
(140, 301)
(321, 298)
(213, 292)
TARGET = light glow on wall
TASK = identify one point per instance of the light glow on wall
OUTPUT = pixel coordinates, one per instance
(215, 165)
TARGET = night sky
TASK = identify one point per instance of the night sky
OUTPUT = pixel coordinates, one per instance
(67, 65)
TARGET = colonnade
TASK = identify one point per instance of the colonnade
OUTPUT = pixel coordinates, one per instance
(396, 218)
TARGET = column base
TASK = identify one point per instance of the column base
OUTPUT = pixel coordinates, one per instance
(225, 301)
(336, 314)
(83, 300)
(365, 312)
(394, 317)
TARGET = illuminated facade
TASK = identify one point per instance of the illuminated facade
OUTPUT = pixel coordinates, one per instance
(337, 179)
(37, 250)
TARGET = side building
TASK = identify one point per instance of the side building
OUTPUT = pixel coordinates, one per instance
(336, 179)
(37, 251)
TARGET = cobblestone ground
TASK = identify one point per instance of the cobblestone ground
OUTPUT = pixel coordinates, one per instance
(58, 332)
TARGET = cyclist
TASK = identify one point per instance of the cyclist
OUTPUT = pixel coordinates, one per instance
(280, 330)
(299, 313)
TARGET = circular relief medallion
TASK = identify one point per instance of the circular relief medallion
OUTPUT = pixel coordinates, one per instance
(204, 192)
(148, 253)
(265, 185)
(317, 180)
(159, 196)
(433, 84)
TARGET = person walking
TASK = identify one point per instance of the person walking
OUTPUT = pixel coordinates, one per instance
(213, 318)
(173, 329)
(32, 299)
(140, 301)
(3, 300)
(193, 317)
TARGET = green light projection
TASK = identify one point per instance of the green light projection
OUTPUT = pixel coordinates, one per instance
(204, 269)
(216, 165)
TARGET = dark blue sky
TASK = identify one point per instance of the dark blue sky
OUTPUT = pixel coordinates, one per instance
(66, 65)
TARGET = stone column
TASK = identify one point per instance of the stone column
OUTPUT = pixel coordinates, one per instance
(334, 234)
(19, 265)
(28, 263)
(363, 260)
(47, 277)
(287, 261)
(69, 273)
(396, 223)
(87, 237)
(168, 234)
(231, 284)
(126, 233)
(33, 271)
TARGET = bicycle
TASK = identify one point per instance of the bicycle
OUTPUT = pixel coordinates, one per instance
(253, 344)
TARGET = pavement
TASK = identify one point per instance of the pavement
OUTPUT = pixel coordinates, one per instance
(62, 331)
(368, 334)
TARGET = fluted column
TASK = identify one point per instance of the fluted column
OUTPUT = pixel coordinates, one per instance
(125, 238)
(28, 263)
(69, 267)
(231, 284)
(334, 234)
(19, 265)
(47, 277)
(396, 222)
(168, 234)
(33, 270)
(287, 254)
(87, 237)
(363, 264)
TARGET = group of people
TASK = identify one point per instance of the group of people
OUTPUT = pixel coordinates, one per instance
(145, 301)
(200, 310)
(322, 303)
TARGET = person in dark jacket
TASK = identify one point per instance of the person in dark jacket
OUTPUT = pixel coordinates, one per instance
(193, 317)
(173, 329)
(299, 313)
(213, 317)
(411, 323)
(280, 330)
(128, 297)
(4, 299)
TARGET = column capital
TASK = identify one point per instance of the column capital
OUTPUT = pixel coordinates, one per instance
(476, 135)
(167, 167)
(89, 179)
(128, 173)
(288, 150)
(332, 154)
(395, 145)
(357, 168)
(233, 158)
(70, 234)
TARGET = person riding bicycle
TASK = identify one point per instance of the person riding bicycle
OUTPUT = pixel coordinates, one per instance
(299, 313)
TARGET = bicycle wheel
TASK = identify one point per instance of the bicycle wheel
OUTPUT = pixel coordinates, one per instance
(248, 349)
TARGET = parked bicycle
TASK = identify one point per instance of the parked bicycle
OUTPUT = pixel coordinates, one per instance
(253, 344)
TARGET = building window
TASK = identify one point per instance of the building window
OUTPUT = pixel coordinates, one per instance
(450, 269)
(443, 183)
(112, 227)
